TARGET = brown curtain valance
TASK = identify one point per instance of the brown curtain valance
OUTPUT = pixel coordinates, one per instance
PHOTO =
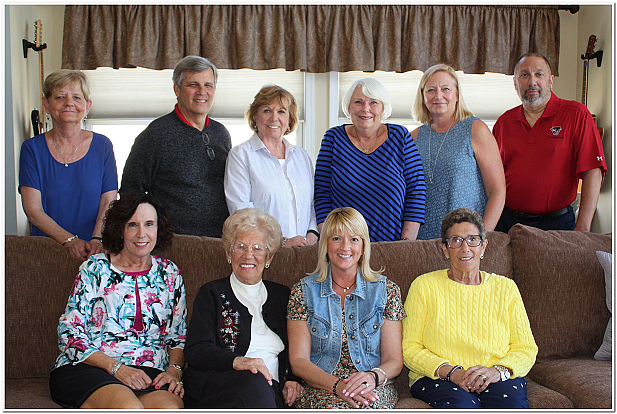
(320, 38)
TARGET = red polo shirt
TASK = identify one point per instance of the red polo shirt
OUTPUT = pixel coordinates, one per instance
(177, 110)
(543, 164)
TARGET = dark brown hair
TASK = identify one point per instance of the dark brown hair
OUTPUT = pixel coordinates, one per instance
(120, 212)
(462, 215)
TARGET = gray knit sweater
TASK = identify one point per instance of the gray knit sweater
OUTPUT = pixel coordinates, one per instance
(169, 159)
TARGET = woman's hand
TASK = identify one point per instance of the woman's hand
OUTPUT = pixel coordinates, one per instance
(173, 377)
(311, 239)
(95, 247)
(358, 389)
(135, 378)
(476, 378)
(291, 392)
(254, 365)
(78, 248)
(296, 241)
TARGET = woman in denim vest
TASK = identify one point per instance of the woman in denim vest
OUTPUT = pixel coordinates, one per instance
(344, 323)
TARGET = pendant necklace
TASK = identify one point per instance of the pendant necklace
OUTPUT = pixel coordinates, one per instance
(432, 174)
(367, 150)
(66, 162)
(343, 287)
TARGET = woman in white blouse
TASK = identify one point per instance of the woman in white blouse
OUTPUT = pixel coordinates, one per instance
(268, 172)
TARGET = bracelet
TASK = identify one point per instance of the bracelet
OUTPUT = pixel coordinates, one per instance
(176, 366)
(116, 366)
(385, 376)
(314, 232)
(447, 378)
(70, 239)
(336, 385)
(284, 241)
(439, 367)
(97, 238)
(376, 377)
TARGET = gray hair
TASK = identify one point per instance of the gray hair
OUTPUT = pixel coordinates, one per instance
(462, 215)
(252, 219)
(195, 64)
(373, 89)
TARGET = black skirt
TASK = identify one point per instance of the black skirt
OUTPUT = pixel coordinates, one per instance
(70, 385)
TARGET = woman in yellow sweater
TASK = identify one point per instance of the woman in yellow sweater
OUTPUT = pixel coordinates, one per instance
(467, 341)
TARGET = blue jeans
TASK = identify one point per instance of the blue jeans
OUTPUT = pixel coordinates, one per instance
(444, 394)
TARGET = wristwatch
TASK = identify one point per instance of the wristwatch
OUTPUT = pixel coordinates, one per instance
(503, 372)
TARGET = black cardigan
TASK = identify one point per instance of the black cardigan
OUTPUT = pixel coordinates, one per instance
(220, 330)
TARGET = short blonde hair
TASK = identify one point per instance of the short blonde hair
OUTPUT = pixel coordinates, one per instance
(420, 112)
(60, 78)
(371, 88)
(268, 95)
(252, 220)
(340, 220)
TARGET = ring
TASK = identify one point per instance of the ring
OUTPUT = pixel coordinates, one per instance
(181, 383)
(365, 384)
(483, 377)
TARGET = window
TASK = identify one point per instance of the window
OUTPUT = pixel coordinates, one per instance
(487, 96)
(125, 101)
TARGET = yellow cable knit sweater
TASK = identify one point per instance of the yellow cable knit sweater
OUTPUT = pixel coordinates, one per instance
(466, 325)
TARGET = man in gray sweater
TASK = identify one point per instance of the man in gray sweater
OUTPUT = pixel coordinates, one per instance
(180, 157)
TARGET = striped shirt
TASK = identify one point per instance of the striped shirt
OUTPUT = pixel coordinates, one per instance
(387, 186)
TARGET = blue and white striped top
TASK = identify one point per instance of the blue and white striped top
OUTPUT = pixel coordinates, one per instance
(387, 186)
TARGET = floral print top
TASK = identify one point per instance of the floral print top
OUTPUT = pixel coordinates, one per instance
(100, 313)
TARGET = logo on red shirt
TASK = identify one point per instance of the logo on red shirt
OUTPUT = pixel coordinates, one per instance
(556, 130)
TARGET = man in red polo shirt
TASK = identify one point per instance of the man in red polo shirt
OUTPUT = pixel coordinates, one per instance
(546, 145)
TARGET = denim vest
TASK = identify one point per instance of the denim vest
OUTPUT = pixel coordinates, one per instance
(364, 308)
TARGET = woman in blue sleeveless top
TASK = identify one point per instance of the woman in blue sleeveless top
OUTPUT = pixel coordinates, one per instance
(460, 157)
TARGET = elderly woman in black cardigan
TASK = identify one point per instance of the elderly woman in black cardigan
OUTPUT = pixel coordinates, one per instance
(236, 344)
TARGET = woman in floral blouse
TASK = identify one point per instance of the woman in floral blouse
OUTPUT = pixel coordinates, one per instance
(123, 330)
(344, 322)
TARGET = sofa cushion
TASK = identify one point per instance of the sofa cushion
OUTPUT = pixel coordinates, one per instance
(562, 285)
(39, 274)
(583, 380)
(31, 393)
(605, 352)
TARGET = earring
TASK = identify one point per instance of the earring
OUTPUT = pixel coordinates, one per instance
(481, 256)
(229, 261)
(267, 265)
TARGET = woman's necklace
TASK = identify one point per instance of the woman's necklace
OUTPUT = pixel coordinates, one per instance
(367, 150)
(431, 174)
(343, 287)
(66, 162)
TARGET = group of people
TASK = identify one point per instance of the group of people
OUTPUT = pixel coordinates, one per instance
(526, 171)
(341, 334)
(337, 339)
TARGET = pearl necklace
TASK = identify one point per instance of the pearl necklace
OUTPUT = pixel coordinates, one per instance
(66, 162)
(431, 175)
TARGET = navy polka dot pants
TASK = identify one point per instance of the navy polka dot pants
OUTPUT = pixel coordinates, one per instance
(444, 394)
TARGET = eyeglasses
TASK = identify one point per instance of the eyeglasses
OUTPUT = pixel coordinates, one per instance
(455, 242)
(206, 139)
(256, 249)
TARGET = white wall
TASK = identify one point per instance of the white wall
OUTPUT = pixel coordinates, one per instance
(25, 82)
(598, 20)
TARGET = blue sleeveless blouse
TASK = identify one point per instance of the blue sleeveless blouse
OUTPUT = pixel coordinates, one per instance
(454, 172)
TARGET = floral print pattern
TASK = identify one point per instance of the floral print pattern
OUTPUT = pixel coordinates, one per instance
(100, 312)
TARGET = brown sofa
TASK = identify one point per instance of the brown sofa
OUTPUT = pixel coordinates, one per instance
(558, 274)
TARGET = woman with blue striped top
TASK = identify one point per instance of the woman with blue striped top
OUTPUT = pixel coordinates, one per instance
(372, 167)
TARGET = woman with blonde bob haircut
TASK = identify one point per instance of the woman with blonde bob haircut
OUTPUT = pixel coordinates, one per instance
(268, 172)
(460, 157)
(348, 220)
(344, 323)
(236, 344)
